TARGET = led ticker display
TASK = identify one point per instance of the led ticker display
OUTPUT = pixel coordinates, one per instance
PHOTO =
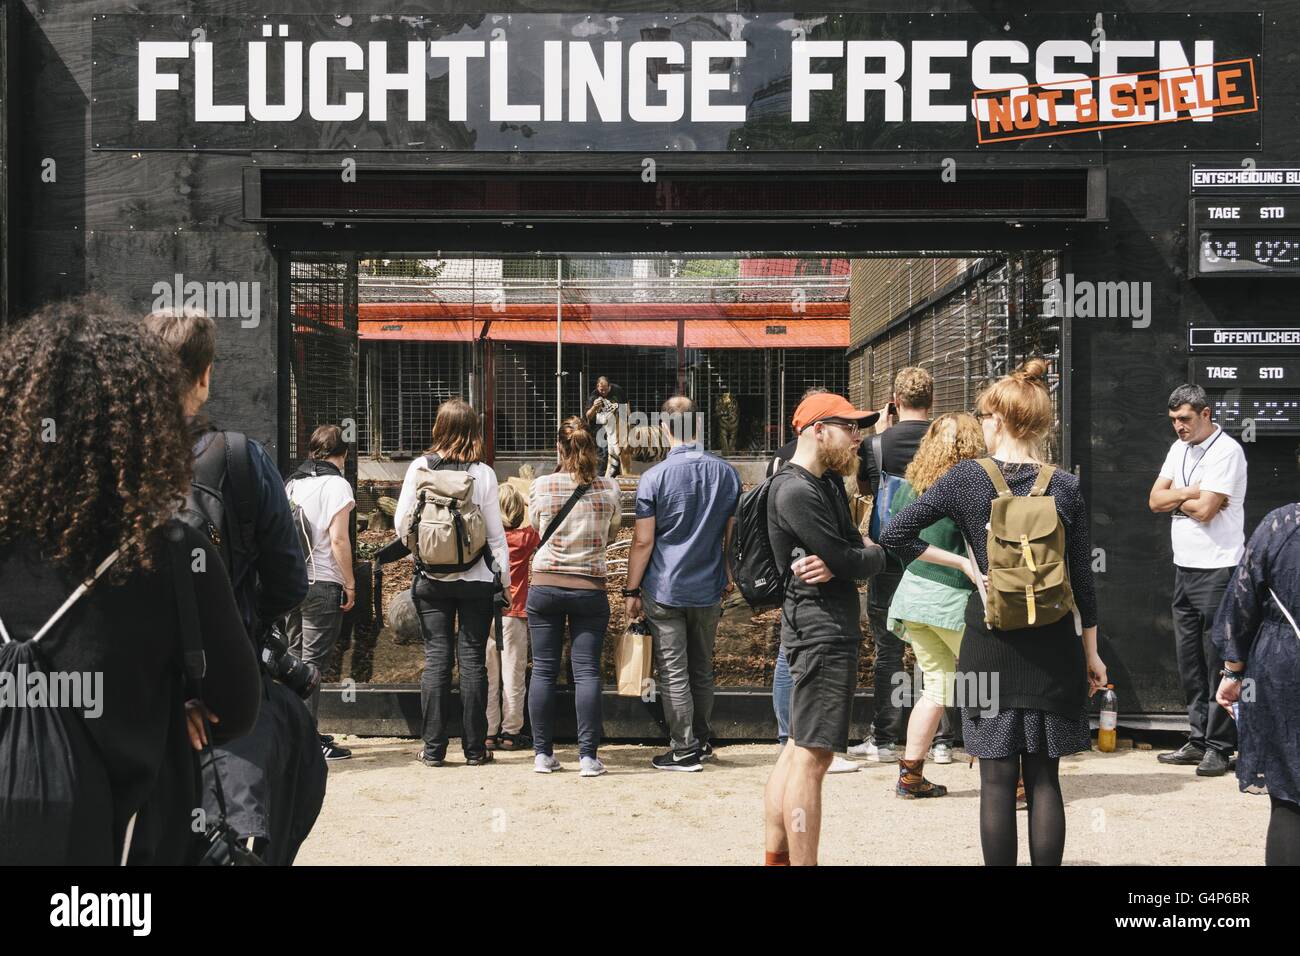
(1246, 236)
(1249, 252)
(1273, 413)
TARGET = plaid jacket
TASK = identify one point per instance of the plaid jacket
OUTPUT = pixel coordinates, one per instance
(578, 545)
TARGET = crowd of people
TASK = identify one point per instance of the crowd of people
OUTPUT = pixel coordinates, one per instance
(126, 517)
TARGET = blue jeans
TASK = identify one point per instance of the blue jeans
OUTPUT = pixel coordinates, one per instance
(587, 613)
(782, 684)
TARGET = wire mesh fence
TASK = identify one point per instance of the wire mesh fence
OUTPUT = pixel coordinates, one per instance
(426, 322)
(977, 334)
(322, 359)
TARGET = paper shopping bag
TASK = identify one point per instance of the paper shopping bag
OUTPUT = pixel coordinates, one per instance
(633, 652)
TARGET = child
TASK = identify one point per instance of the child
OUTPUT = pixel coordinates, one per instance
(505, 667)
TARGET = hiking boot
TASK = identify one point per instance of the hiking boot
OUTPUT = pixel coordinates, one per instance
(1213, 764)
(591, 767)
(843, 765)
(672, 760)
(332, 752)
(545, 763)
(478, 760)
(941, 753)
(431, 758)
(912, 784)
(1188, 755)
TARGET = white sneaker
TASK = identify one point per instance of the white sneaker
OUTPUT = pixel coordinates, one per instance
(941, 753)
(591, 767)
(842, 765)
(866, 749)
(545, 763)
(885, 754)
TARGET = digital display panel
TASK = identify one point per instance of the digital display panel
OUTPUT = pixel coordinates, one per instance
(1274, 413)
(1253, 252)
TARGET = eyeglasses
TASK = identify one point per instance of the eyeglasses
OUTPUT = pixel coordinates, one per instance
(980, 416)
(853, 428)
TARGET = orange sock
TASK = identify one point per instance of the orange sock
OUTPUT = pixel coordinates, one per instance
(776, 859)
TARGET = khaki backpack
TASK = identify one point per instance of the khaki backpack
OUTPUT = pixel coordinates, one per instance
(447, 532)
(1028, 581)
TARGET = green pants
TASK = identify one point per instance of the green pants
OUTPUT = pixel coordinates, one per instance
(936, 654)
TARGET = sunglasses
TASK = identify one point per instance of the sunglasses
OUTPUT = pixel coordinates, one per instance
(853, 428)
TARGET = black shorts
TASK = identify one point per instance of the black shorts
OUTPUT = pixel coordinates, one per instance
(825, 678)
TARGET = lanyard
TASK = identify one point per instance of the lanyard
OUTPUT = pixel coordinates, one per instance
(1187, 480)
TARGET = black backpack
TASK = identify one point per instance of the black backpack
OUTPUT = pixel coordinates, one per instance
(754, 567)
(55, 797)
(228, 525)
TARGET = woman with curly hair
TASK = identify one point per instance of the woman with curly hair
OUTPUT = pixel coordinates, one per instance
(929, 607)
(97, 461)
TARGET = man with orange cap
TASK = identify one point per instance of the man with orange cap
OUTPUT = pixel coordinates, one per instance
(809, 525)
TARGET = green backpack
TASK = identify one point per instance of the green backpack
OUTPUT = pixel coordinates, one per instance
(1028, 581)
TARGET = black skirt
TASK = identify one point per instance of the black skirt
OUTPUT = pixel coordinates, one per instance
(1031, 688)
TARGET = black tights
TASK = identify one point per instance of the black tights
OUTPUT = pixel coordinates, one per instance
(1283, 846)
(998, 780)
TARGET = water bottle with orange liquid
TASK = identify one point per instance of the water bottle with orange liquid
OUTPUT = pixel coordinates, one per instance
(1108, 720)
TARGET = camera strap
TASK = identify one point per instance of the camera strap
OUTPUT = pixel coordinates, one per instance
(195, 660)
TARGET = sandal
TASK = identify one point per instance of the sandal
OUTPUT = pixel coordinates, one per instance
(514, 742)
(492, 743)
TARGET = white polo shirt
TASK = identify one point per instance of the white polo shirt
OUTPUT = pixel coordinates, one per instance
(1216, 464)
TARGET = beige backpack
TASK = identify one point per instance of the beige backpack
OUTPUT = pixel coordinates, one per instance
(447, 532)
(1028, 581)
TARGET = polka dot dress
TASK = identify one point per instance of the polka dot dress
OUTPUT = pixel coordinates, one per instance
(1020, 730)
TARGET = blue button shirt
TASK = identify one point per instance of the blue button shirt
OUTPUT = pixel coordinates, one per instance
(691, 495)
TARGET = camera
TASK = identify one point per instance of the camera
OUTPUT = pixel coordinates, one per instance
(299, 676)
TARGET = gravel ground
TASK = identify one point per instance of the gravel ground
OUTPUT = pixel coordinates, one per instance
(383, 807)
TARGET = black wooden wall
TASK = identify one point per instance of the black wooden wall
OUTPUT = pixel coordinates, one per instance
(120, 222)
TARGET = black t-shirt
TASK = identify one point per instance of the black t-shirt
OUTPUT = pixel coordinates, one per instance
(898, 445)
(615, 395)
(803, 512)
